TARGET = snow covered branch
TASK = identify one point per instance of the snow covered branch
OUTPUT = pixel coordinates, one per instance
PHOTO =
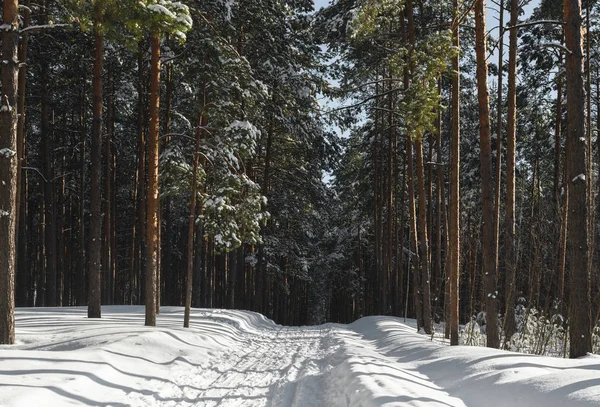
(35, 28)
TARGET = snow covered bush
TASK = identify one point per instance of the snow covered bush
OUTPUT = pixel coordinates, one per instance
(596, 340)
(538, 334)
(471, 334)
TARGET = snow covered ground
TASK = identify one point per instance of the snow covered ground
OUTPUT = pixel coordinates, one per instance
(240, 358)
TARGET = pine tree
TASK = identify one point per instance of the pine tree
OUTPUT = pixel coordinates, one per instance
(488, 262)
(8, 169)
(511, 135)
(95, 265)
(454, 223)
(173, 17)
(577, 242)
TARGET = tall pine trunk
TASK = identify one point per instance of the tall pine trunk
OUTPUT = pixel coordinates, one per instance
(169, 273)
(107, 241)
(577, 242)
(23, 273)
(95, 245)
(414, 243)
(81, 287)
(152, 195)
(511, 137)
(423, 238)
(8, 169)
(499, 138)
(191, 227)
(454, 217)
(488, 263)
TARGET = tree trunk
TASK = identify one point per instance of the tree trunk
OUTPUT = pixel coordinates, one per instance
(95, 246)
(138, 234)
(48, 192)
(588, 138)
(390, 208)
(577, 242)
(170, 274)
(373, 292)
(562, 216)
(454, 218)
(152, 195)
(557, 136)
(60, 217)
(439, 181)
(23, 273)
(109, 279)
(191, 227)
(81, 286)
(399, 263)
(8, 169)
(486, 179)
(511, 137)
(597, 207)
(499, 137)
(424, 241)
(416, 277)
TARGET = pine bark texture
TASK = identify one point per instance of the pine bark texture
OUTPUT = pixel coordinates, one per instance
(488, 263)
(577, 241)
(152, 195)
(454, 216)
(8, 170)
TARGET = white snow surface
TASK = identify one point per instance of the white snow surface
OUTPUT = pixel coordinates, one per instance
(241, 358)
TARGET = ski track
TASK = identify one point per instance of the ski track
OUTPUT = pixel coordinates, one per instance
(281, 367)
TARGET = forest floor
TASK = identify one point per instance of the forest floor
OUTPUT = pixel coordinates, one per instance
(240, 358)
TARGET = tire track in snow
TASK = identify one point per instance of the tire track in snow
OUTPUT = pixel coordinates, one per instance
(271, 370)
(281, 368)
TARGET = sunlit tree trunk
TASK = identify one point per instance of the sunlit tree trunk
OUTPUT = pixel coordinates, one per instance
(8, 169)
(152, 194)
(454, 217)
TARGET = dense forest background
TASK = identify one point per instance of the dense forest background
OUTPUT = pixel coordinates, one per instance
(172, 152)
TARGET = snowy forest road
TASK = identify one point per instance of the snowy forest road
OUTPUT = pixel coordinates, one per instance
(240, 358)
(276, 369)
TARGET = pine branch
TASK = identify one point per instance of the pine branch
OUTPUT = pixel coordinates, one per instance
(36, 28)
(532, 23)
